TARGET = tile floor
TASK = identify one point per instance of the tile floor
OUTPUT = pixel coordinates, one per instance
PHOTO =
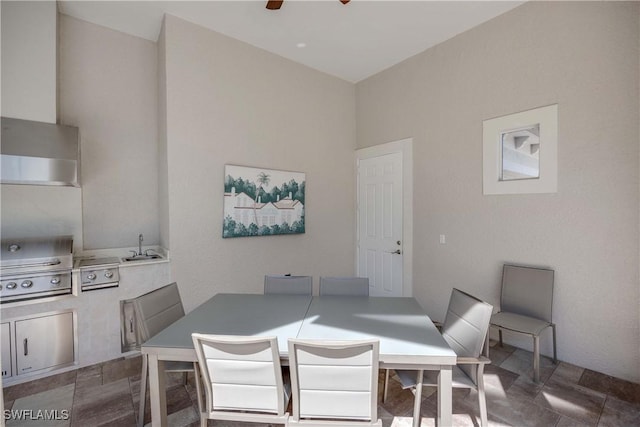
(108, 395)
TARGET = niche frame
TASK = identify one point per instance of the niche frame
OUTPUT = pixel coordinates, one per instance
(492, 130)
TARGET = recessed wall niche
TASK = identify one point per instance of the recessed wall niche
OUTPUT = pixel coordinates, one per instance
(520, 152)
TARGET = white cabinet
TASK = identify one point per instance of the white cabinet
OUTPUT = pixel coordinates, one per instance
(5, 343)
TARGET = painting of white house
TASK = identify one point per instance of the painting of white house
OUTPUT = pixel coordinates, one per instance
(262, 202)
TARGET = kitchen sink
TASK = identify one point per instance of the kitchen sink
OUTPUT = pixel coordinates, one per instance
(141, 258)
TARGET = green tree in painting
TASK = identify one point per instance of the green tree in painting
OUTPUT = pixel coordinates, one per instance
(229, 227)
(229, 183)
(264, 230)
(274, 194)
(240, 230)
(252, 229)
(298, 226)
(299, 195)
(240, 185)
(263, 179)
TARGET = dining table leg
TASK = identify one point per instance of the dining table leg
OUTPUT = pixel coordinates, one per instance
(417, 402)
(157, 391)
(445, 397)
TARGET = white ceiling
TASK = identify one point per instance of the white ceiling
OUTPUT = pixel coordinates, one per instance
(352, 41)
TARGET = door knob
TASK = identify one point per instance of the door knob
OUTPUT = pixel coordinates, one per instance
(397, 252)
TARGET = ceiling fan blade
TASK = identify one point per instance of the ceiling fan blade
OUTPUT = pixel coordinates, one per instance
(274, 4)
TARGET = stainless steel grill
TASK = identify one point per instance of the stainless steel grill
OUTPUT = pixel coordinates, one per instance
(35, 268)
(99, 273)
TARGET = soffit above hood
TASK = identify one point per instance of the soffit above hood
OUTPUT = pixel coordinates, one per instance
(38, 153)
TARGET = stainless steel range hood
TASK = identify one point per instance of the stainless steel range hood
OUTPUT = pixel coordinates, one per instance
(39, 153)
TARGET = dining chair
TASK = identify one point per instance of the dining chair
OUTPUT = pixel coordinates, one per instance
(334, 383)
(154, 311)
(287, 284)
(526, 302)
(465, 328)
(347, 286)
(242, 379)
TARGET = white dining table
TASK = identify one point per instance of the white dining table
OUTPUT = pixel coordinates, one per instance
(408, 338)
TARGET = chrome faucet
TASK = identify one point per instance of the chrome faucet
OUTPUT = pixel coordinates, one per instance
(140, 239)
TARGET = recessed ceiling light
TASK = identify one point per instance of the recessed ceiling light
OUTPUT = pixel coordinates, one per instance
(301, 45)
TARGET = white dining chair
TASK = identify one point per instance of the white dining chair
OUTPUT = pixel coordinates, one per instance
(242, 379)
(154, 311)
(334, 383)
(465, 329)
(526, 302)
(289, 285)
(345, 286)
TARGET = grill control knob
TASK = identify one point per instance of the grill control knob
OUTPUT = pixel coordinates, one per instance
(26, 284)
(91, 276)
(108, 274)
(55, 281)
(12, 285)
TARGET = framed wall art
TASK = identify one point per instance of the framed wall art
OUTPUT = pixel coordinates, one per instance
(520, 152)
(263, 202)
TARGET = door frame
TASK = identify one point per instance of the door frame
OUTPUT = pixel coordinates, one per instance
(405, 147)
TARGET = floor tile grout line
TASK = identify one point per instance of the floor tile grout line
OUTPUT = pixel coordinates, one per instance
(613, 388)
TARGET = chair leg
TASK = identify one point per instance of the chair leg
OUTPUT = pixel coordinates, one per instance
(482, 400)
(143, 390)
(555, 355)
(536, 358)
(385, 385)
(500, 337)
(485, 351)
(201, 405)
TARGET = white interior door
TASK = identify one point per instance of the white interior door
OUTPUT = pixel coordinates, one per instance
(380, 214)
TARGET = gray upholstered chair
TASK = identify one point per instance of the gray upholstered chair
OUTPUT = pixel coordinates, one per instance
(290, 285)
(242, 379)
(526, 304)
(347, 286)
(155, 311)
(334, 383)
(465, 329)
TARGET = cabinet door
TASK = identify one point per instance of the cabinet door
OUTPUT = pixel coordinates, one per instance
(128, 327)
(44, 342)
(5, 342)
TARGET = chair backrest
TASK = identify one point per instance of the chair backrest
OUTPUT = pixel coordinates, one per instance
(290, 285)
(334, 379)
(157, 309)
(348, 286)
(465, 327)
(240, 373)
(527, 291)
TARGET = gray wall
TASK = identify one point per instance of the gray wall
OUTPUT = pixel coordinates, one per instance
(230, 103)
(28, 51)
(222, 101)
(108, 88)
(29, 92)
(584, 57)
(163, 169)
